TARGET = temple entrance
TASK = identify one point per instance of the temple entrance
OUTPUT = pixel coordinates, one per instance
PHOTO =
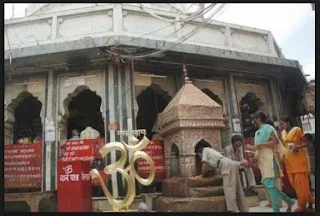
(151, 101)
(82, 109)
(85, 109)
(249, 104)
(201, 143)
(27, 127)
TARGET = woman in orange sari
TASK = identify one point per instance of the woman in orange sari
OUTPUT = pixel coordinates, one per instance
(296, 161)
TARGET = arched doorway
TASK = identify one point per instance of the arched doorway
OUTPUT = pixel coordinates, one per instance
(151, 101)
(27, 119)
(85, 108)
(249, 104)
(81, 108)
(201, 143)
(23, 125)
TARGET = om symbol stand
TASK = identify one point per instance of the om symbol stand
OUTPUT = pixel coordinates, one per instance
(135, 148)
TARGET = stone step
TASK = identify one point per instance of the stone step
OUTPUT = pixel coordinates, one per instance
(178, 187)
(206, 191)
(190, 204)
(205, 182)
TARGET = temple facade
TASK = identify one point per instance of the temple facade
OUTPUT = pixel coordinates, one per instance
(99, 62)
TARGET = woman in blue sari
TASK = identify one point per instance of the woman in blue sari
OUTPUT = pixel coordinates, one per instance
(266, 143)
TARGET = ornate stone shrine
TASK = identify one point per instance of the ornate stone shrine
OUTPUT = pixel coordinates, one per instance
(190, 118)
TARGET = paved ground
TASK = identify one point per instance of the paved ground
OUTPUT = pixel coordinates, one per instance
(262, 207)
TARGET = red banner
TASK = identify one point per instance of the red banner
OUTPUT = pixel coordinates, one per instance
(155, 150)
(82, 150)
(23, 165)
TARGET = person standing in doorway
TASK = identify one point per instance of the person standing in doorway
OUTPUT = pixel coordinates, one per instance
(235, 152)
(266, 142)
(297, 163)
(229, 169)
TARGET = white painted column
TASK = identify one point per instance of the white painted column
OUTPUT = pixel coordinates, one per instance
(129, 108)
(47, 156)
(112, 133)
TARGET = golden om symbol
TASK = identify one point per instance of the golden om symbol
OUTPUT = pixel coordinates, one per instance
(136, 148)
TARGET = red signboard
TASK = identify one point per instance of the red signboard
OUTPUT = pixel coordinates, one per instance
(82, 150)
(74, 187)
(22, 165)
(97, 144)
(155, 150)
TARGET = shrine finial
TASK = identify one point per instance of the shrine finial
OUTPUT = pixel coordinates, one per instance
(186, 78)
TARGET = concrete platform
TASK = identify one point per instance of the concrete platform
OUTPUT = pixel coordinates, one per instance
(262, 207)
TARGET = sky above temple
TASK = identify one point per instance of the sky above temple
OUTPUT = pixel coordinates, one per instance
(292, 25)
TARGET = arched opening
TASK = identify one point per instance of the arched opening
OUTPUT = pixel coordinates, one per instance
(85, 109)
(249, 104)
(175, 163)
(151, 101)
(201, 143)
(82, 109)
(27, 126)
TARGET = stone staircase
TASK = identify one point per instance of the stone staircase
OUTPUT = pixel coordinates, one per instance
(191, 195)
(194, 195)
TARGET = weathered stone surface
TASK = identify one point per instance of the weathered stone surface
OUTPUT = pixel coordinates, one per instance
(205, 182)
(207, 204)
(206, 191)
(253, 201)
(174, 187)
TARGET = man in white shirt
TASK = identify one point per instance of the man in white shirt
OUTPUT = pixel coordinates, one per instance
(235, 152)
(229, 170)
